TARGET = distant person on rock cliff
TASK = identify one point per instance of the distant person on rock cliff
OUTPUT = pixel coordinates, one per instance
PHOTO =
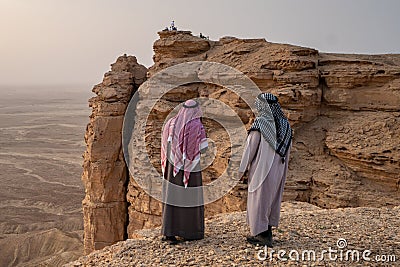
(266, 158)
(173, 27)
(183, 140)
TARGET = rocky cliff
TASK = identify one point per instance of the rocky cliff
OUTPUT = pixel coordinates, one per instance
(344, 110)
(104, 170)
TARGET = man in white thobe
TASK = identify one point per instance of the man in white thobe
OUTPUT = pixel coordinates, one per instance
(266, 158)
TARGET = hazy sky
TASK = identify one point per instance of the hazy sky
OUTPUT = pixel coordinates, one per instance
(74, 41)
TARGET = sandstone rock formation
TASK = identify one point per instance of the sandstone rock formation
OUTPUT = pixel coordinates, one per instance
(105, 174)
(344, 110)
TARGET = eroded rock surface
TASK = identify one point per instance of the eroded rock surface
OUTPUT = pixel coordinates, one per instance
(104, 169)
(344, 110)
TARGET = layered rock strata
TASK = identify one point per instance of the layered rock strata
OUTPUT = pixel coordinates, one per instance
(344, 110)
(104, 169)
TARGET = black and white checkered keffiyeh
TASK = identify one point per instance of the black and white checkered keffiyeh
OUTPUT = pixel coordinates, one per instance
(272, 123)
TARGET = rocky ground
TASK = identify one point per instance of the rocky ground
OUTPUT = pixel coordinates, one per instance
(303, 228)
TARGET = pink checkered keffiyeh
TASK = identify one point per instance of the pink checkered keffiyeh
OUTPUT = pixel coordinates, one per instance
(186, 135)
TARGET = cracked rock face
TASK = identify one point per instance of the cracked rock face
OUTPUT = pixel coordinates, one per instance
(104, 169)
(344, 110)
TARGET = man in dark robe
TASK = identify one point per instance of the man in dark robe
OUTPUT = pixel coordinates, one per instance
(183, 139)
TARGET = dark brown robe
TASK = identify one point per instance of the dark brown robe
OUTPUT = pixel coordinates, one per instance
(185, 222)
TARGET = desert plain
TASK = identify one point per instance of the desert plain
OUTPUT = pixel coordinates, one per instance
(41, 146)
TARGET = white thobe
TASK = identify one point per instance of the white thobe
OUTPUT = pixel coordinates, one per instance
(267, 176)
